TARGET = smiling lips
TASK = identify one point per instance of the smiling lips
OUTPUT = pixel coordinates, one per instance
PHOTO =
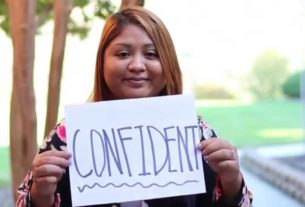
(135, 81)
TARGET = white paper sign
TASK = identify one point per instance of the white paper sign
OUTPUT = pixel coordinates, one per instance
(134, 149)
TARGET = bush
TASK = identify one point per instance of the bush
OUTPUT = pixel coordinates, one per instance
(211, 91)
(291, 86)
(268, 73)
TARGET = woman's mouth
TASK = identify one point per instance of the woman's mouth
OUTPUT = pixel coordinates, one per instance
(135, 81)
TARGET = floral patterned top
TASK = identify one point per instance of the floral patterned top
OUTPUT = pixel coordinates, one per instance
(56, 140)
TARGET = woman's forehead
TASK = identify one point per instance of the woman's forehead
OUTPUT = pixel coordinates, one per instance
(132, 34)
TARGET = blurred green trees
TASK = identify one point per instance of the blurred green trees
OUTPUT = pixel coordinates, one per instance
(79, 26)
(267, 75)
(292, 85)
(213, 91)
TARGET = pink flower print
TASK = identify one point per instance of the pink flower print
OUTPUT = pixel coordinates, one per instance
(61, 132)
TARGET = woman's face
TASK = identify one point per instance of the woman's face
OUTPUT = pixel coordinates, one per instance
(132, 67)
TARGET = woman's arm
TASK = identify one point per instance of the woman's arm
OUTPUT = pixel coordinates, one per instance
(222, 158)
(39, 185)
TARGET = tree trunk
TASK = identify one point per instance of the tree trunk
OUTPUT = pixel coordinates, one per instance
(126, 3)
(23, 115)
(62, 9)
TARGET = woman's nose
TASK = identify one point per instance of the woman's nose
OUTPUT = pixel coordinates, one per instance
(137, 64)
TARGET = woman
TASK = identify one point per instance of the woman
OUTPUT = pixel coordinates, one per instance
(136, 58)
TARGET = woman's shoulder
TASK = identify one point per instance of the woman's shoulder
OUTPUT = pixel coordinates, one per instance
(205, 130)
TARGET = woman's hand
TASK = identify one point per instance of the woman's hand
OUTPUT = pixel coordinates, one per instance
(222, 157)
(48, 169)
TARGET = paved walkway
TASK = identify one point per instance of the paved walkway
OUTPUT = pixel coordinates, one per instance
(286, 150)
(6, 197)
(264, 193)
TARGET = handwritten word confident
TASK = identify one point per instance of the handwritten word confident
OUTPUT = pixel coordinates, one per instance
(112, 145)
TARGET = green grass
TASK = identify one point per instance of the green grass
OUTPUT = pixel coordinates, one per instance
(255, 124)
(261, 123)
(5, 171)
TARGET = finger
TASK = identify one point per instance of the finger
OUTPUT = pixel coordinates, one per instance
(51, 160)
(206, 142)
(221, 155)
(203, 145)
(216, 145)
(48, 170)
(56, 153)
(227, 166)
(47, 180)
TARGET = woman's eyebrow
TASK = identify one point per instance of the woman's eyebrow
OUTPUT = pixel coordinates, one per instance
(121, 44)
(149, 45)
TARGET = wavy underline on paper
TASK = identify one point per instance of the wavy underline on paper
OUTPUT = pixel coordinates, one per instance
(81, 189)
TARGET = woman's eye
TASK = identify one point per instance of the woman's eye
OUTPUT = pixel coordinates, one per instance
(151, 54)
(122, 54)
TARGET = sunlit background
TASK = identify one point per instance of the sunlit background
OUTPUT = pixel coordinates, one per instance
(225, 48)
(217, 43)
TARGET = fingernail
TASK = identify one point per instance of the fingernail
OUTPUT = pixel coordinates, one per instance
(199, 145)
(205, 158)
